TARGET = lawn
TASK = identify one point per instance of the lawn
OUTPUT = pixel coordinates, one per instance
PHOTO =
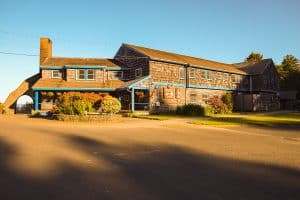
(286, 119)
(156, 117)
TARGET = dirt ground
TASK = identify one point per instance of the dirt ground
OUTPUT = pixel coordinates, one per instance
(145, 159)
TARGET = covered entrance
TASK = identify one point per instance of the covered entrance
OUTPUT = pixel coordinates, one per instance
(135, 95)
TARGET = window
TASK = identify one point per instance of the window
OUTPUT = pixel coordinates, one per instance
(117, 75)
(55, 74)
(219, 75)
(85, 74)
(205, 98)
(233, 78)
(209, 75)
(181, 73)
(204, 74)
(226, 76)
(193, 98)
(192, 73)
(138, 72)
(90, 74)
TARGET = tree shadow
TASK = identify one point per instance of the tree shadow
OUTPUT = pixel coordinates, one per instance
(141, 171)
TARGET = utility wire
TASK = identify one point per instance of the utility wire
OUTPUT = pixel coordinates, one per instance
(17, 54)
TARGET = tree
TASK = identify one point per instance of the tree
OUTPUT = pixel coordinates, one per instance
(289, 63)
(254, 57)
(289, 74)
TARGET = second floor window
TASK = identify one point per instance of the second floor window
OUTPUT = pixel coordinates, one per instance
(85, 74)
(117, 75)
(138, 72)
(181, 73)
(192, 73)
(55, 74)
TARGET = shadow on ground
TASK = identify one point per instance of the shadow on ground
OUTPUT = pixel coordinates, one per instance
(148, 172)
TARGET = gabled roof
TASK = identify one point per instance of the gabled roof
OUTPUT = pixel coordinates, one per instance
(257, 68)
(61, 61)
(183, 59)
(62, 84)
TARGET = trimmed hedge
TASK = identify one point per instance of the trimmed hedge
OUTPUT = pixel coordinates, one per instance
(190, 110)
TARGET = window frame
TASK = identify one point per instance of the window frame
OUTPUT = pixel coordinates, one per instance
(196, 98)
(192, 75)
(58, 74)
(140, 71)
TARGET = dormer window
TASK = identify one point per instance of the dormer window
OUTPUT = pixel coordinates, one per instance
(85, 74)
(55, 74)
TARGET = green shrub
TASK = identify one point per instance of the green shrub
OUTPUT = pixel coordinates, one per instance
(223, 105)
(208, 110)
(110, 104)
(76, 103)
(190, 110)
(228, 101)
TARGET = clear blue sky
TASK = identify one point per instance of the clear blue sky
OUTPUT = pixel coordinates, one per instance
(225, 31)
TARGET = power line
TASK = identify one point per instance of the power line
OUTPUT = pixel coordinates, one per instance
(17, 54)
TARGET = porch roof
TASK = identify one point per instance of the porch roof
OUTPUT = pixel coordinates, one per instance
(135, 82)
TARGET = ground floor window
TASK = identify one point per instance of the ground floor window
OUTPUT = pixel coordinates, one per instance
(193, 98)
(205, 98)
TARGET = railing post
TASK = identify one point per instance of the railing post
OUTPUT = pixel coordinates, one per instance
(132, 99)
(36, 100)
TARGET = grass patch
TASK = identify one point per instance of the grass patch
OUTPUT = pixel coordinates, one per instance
(286, 119)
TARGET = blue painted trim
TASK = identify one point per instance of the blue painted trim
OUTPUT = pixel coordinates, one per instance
(218, 88)
(141, 88)
(75, 89)
(36, 100)
(132, 100)
(134, 84)
(166, 84)
(50, 68)
(82, 67)
(198, 86)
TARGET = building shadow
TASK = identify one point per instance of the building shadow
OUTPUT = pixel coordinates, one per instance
(141, 171)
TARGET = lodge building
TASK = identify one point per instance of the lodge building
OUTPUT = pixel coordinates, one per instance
(153, 80)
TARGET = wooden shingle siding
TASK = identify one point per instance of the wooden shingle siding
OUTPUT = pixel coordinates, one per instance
(165, 72)
(131, 59)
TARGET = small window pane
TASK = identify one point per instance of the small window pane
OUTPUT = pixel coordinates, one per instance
(91, 74)
(55, 74)
(193, 98)
(192, 73)
(138, 72)
(181, 73)
(80, 74)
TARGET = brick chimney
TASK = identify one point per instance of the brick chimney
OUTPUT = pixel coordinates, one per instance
(45, 49)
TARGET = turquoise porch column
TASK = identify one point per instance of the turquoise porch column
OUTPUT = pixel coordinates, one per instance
(132, 99)
(36, 100)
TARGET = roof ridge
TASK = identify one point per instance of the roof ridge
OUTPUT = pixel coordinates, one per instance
(178, 54)
(80, 58)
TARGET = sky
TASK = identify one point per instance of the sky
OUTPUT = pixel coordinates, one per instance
(221, 30)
